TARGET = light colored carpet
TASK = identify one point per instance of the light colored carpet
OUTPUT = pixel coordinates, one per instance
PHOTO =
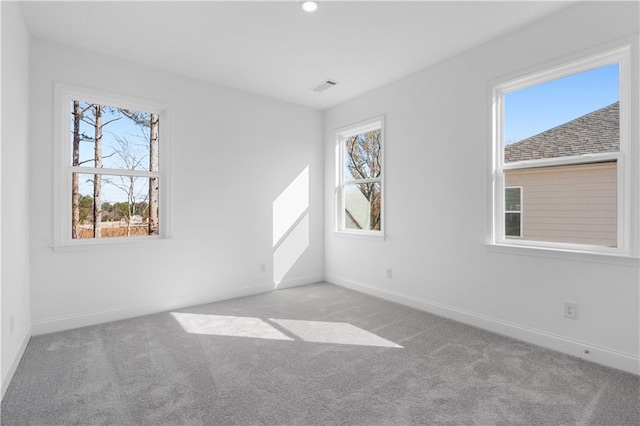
(311, 355)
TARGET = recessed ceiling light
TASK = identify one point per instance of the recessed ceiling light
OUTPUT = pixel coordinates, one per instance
(309, 6)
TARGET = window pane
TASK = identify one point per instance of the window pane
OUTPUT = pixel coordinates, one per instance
(362, 158)
(362, 206)
(126, 139)
(574, 115)
(512, 224)
(512, 199)
(125, 210)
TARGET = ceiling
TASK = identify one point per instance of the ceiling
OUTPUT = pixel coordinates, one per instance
(276, 49)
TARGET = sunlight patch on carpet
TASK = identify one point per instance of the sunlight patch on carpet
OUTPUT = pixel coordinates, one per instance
(223, 325)
(340, 333)
(333, 332)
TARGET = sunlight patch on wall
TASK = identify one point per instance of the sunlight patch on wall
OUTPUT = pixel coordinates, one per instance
(333, 332)
(290, 250)
(290, 225)
(223, 325)
(290, 205)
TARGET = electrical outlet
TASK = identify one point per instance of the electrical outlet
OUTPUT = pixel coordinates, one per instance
(11, 324)
(263, 267)
(570, 310)
(389, 272)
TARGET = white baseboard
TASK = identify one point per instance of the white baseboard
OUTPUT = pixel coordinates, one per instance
(6, 380)
(53, 325)
(598, 354)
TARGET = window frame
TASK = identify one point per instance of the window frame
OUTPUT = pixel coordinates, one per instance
(626, 157)
(64, 94)
(341, 135)
(514, 211)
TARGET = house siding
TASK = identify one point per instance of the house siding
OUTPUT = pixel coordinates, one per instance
(568, 204)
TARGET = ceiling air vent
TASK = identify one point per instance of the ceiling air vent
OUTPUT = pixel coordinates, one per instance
(324, 85)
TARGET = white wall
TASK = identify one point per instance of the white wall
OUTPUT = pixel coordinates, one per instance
(436, 130)
(15, 189)
(232, 155)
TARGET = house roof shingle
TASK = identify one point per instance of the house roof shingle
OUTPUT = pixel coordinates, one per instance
(598, 131)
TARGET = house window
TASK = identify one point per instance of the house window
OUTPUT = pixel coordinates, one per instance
(513, 212)
(561, 136)
(359, 190)
(110, 168)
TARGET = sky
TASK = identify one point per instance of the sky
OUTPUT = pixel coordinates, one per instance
(541, 107)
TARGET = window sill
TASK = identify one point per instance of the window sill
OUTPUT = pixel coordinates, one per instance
(107, 244)
(564, 254)
(377, 236)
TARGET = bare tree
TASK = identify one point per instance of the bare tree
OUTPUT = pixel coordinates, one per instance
(153, 182)
(150, 122)
(75, 193)
(97, 179)
(78, 114)
(364, 162)
(129, 159)
(98, 126)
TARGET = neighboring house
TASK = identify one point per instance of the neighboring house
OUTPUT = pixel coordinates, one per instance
(357, 210)
(572, 204)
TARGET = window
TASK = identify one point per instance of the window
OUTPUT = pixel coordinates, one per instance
(562, 136)
(359, 178)
(109, 169)
(513, 212)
